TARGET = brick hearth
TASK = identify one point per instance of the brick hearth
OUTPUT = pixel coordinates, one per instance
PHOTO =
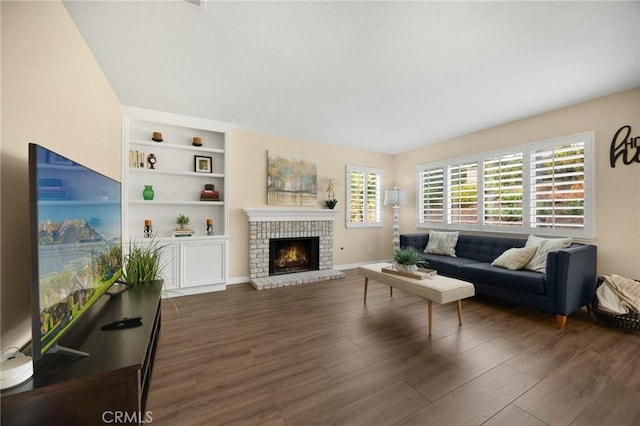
(291, 223)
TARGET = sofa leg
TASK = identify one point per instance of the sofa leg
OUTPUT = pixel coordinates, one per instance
(561, 320)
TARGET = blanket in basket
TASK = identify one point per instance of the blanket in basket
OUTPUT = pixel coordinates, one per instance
(619, 295)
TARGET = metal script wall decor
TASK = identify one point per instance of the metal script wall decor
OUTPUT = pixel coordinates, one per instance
(623, 145)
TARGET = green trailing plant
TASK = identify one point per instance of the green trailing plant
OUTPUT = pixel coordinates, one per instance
(142, 262)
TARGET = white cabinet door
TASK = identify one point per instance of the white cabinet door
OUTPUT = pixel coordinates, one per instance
(202, 263)
(168, 262)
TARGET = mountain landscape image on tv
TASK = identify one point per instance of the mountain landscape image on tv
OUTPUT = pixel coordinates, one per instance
(76, 242)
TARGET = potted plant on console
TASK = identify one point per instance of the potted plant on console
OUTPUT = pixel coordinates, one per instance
(142, 266)
(142, 263)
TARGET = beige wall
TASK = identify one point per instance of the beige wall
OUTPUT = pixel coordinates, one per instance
(53, 94)
(617, 194)
(248, 189)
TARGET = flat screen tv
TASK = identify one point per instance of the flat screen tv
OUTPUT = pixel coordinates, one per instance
(76, 243)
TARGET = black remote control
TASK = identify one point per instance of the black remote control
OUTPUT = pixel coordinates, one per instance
(126, 322)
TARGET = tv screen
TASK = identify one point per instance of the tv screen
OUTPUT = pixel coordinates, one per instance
(76, 238)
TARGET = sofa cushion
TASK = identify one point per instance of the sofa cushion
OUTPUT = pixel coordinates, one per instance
(538, 262)
(483, 248)
(515, 258)
(446, 265)
(442, 243)
(523, 280)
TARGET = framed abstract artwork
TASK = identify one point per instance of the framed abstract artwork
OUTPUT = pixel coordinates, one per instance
(292, 179)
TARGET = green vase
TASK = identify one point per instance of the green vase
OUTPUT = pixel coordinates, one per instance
(147, 194)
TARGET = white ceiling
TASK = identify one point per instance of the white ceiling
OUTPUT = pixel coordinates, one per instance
(381, 76)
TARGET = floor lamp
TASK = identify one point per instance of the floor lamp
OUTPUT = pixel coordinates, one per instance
(395, 197)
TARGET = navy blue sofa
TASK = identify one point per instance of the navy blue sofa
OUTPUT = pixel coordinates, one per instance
(568, 284)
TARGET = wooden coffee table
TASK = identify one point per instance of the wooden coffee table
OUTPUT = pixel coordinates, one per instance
(437, 289)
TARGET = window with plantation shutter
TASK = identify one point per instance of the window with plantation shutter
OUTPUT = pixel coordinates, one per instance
(503, 190)
(364, 196)
(558, 187)
(431, 195)
(543, 188)
(463, 193)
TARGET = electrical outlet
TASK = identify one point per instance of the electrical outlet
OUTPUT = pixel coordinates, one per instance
(369, 249)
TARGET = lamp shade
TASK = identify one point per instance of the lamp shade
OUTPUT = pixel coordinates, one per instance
(395, 197)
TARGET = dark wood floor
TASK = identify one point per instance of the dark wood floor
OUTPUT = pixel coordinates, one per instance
(313, 354)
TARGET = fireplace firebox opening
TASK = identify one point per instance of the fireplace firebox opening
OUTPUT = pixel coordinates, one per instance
(292, 255)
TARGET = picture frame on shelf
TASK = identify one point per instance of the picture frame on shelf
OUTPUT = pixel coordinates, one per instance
(58, 160)
(202, 164)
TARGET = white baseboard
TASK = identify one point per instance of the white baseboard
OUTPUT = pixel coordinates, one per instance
(355, 265)
(177, 292)
(238, 280)
(188, 291)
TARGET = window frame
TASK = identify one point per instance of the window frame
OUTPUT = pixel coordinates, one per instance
(379, 201)
(527, 150)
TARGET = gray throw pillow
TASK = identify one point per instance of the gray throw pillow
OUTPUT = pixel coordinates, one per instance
(515, 258)
(442, 243)
(538, 262)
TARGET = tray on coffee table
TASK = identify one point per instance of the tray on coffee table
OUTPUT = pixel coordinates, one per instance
(420, 274)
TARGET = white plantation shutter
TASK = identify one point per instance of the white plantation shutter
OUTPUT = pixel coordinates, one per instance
(503, 190)
(544, 188)
(374, 195)
(431, 195)
(463, 193)
(356, 197)
(364, 193)
(558, 187)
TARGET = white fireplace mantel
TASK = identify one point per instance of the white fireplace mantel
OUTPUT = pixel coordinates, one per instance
(282, 215)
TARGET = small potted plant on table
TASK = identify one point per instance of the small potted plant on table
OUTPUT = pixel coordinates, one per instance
(407, 259)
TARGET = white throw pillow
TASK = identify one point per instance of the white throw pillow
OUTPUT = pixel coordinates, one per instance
(538, 262)
(515, 258)
(442, 243)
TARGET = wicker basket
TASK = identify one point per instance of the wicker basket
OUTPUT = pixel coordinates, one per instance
(630, 321)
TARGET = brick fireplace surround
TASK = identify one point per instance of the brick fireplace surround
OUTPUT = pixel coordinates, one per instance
(269, 223)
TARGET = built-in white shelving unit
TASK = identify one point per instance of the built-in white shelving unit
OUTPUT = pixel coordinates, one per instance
(191, 264)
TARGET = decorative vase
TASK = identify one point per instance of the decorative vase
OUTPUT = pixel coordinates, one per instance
(147, 194)
(406, 268)
(331, 203)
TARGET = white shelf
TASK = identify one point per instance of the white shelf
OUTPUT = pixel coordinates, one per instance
(177, 146)
(179, 203)
(176, 173)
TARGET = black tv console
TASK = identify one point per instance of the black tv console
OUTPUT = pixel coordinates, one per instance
(112, 381)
